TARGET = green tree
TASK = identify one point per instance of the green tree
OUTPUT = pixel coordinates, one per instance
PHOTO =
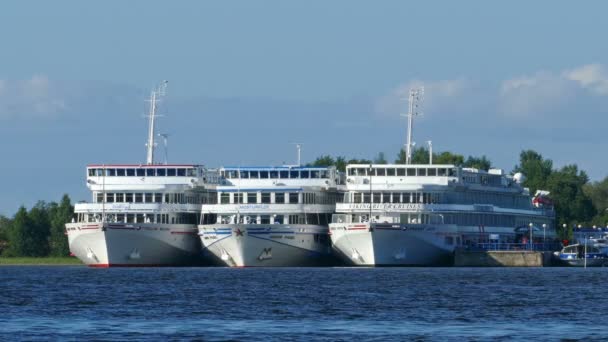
(572, 205)
(421, 156)
(482, 163)
(326, 160)
(341, 164)
(40, 229)
(4, 227)
(18, 237)
(448, 158)
(598, 193)
(536, 170)
(61, 215)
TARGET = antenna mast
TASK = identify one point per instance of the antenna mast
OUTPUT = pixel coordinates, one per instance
(414, 101)
(155, 96)
(299, 149)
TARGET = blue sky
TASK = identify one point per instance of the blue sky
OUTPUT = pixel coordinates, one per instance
(249, 78)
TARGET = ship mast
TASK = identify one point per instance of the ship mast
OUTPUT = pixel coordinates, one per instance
(155, 96)
(414, 102)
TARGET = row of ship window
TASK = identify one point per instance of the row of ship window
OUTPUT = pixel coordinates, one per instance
(143, 172)
(179, 218)
(291, 174)
(146, 197)
(505, 200)
(461, 219)
(278, 198)
(390, 171)
(317, 219)
(223, 198)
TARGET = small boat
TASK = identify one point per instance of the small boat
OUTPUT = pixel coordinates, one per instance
(582, 255)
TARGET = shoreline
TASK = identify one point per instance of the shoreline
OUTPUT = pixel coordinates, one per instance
(43, 261)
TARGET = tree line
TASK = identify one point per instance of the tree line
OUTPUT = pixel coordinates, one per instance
(576, 199)
(39, 232)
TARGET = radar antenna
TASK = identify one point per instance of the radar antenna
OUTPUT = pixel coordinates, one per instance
(155, 96)
(414, 109)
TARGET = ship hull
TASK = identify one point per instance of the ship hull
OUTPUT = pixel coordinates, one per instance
(138, 244)
(239, 245)
(391, 246)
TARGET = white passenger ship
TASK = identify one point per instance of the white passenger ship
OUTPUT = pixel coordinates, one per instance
(418, 214)
(140, 215)
(271, 216)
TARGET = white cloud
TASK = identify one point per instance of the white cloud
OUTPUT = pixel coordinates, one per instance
(32, 98)
(591, 76)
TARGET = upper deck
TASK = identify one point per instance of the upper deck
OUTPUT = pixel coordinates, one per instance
(278, 176)
(147, 177)
(389, 177)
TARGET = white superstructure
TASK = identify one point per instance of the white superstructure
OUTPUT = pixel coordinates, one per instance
(418, 214)
(142, 214)
(270, 216)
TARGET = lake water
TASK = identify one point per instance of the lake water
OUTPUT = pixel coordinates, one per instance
(76, 303)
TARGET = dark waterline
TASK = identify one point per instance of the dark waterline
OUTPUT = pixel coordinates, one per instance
(75, 303)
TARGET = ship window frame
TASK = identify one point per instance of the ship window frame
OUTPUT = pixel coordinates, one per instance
(171, 172)
(120, 197)
(442, 172)
(283, 174)
(244, 174)
(224, 198)
(380, 171)
(129, 197)
(279, 197)
(411, 172)
(314, 174)
(111, 172)
(150, 172)
(263, 174)
(294, 174)
(121, 172)
(130, 172)
(431, 170)
(162, 172)
(273, 174)
(265, 198)
(181, 172)
(400, 171)
(138, 197)
(421, 172)
(91, 172)
(390, 172)
(254, 174)
(304, 174)
(252, 195)
(294, 195)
